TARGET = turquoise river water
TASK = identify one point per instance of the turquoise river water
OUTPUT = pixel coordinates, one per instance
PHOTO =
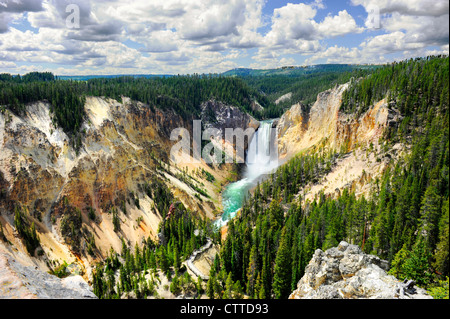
(261, 160)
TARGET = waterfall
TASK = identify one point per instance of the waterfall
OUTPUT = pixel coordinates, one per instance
(262, 155)
(262, 159)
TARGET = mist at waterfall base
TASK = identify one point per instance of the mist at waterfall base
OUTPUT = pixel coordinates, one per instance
(261, 160)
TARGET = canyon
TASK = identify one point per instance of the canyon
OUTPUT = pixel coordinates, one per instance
(126, 147)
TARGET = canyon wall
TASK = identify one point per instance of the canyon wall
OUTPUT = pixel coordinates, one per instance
(76, 197)
(325, 126)
(357, 139)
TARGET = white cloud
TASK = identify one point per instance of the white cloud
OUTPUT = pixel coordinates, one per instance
(434, 8)
(410, 25)
(296, 22)
(420, 29)
(212, 19)
(159, 41)
(185, 36)
(341, 24)
(7, 65)
(337, 54)
(13, 9)
(295, 31)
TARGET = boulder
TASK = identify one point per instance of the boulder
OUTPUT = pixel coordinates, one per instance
(26, 282)
(346, 272)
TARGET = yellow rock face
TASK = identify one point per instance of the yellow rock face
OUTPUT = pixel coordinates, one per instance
(325, 126)
(124, 146)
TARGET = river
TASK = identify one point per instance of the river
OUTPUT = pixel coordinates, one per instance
(261, 160)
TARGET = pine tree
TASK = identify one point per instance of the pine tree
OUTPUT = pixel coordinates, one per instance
(430, 211)
(176, 259)
(252, 271)
(266, 284)
(210, 287)
(397, 267)
(199, 285)
(163, 261)
(417, 266)
(282, 273)
(237, 290)
(228, 294)
(442, 250)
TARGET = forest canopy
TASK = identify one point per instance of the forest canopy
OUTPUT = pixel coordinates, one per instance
(404, 220)
(183, 93)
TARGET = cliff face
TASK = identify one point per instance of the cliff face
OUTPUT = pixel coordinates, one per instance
(324, 126)
(345, 272)
(19, 281)
(73, 197)
(220, 116)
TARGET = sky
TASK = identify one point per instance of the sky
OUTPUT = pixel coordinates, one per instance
(81, 37)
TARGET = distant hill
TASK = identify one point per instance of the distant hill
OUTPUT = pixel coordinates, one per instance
(296, 71)
(90, 77)
(290, 71)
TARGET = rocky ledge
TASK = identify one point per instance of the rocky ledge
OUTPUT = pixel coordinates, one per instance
(25, 282)
(346, 272)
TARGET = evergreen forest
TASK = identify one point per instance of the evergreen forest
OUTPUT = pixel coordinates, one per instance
(405, 220)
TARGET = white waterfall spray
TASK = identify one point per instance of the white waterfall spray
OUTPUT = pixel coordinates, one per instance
(262, 155)
(262, 159)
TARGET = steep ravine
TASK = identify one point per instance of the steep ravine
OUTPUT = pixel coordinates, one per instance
(126, 146)
(357, 139)
(71, 196)
(325, 127)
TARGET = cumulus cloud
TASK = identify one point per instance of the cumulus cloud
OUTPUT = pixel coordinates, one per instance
(434, 8)
(20, 6)
(185, 36)
(296, 21)
(159, 41)
(91, 28)
(339, 25)
(337, 54)
(210, 20)
(410, 28)
(294, 30)
(12, 9)
(422, 21)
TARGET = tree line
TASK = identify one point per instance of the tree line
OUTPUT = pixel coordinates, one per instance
(183, 94)
(405, 220)
(304, 84)
(137, 270)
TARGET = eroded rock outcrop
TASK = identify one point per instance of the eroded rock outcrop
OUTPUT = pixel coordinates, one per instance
(325, 126)
(346, 272)
(222, 116)
(69, 193)
(18, 281)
